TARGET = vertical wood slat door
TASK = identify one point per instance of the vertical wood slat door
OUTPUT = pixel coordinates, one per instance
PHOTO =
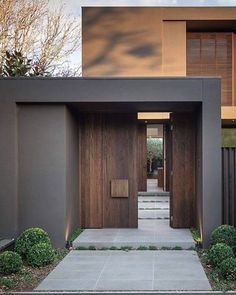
(183, 170)
(91, 170)
(108, 152)
(142, 158)
(168, 152)
(120, 162)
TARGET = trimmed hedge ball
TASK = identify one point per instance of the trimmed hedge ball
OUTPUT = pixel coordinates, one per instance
(228, 268)
(29, 238)
(224, 234)
(40, 255)
(219, 253)
(10, 262)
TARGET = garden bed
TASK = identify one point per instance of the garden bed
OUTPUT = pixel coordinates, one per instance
(29, 277)
(214, 276)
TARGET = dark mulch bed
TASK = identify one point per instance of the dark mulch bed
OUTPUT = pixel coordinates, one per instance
(29, 278)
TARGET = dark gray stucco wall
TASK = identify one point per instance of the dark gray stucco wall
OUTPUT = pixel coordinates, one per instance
(211, 159)
(42, 169)
(72, 173)
(199, 170)
(8, 168)
(48, 152)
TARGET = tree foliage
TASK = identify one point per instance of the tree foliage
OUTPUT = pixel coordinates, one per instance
(16, 65)
(35, 30)
(154, 150)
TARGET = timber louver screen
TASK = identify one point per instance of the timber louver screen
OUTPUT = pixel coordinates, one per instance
(210, 54)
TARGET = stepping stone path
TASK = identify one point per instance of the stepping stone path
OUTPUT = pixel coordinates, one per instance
(155, 206)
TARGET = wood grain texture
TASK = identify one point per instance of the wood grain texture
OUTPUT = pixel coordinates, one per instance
(108, 151)
(120, 162)
(119, 188)
(183, 191)
(142, 157)
(91, 171)
(211, 54)
(160, 177)
(168, 152)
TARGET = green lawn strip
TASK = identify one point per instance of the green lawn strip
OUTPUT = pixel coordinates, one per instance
(129, 248)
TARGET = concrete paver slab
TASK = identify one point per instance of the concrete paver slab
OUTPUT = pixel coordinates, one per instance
(159, 199)
(132, 270)
(149, 233)
(153, 205)
(154, 214)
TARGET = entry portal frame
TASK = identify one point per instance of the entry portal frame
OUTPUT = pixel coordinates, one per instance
(140, 94)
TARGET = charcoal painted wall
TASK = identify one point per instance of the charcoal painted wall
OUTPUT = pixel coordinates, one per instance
(47, 186)
(8, 167)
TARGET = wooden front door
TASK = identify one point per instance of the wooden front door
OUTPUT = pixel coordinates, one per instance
(167, 155)
(108, 170)
(182, 186)
(142, 157)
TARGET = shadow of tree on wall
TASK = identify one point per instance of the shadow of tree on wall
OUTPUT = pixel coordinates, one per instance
(145, 50)
(115, 44)
(112, 40)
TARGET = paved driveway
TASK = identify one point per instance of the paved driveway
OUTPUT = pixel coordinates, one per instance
(133, 270)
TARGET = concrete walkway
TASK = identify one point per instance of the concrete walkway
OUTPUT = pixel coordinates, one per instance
(153, 229)
(156, 233)
(133, 270)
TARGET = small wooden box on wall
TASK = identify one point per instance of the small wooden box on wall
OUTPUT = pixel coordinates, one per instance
(119, 188)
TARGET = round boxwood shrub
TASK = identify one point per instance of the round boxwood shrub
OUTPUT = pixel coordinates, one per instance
(224, 234)
(40, 255)
(219, 253)
(10, 262)
(29, 238)
(228, 268)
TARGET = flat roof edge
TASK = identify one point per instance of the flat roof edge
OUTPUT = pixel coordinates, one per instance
(156, 6)
(111, 78)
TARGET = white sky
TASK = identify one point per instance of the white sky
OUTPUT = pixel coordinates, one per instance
(75, 5)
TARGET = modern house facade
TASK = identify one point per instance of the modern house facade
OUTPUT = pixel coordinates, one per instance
(162, 41)
(72, 150)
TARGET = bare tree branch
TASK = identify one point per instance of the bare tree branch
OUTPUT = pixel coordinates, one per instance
(30, 27)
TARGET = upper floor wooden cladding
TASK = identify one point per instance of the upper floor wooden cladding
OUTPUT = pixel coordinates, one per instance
(211, 54)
